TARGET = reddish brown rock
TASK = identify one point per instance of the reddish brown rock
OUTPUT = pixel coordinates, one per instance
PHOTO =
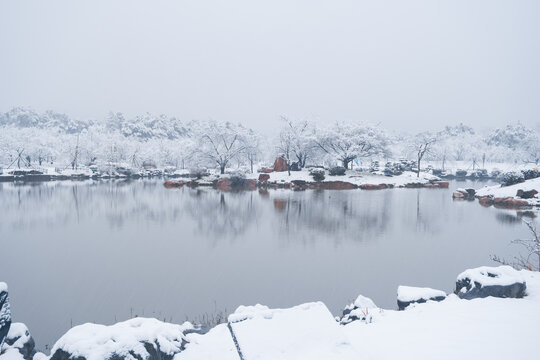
(336, 185)
(442, 184)
(509, 203)
(267, 170)
(414, 185)
(280, 164)
(174, 184)
(373, 186)
(263, 192)
(432, 186)
(485, 201)
(526, 194)
(224, 184)
(263, 177)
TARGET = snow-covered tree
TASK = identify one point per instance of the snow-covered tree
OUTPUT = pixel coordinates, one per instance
(301, 134)
(220, 142)
(348, 141)
(421, 145)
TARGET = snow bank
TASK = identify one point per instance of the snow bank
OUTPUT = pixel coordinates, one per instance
(126, 340)
(498, 191)
(307, 331)
(354, 177)
(489, 328)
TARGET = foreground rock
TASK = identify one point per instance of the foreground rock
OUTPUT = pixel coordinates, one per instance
(18, 343)
(138, 338)
(5, 313)
(407, 295)
(501, 281)
(362, 309)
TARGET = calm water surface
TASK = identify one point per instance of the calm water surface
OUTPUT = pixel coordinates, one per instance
(104, 251)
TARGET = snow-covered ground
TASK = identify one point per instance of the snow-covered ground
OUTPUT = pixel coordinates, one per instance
(488, 328)
(499, 191)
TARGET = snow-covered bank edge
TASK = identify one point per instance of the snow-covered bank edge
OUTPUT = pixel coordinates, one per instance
(310, 330)
(302, 180)
(524, 194)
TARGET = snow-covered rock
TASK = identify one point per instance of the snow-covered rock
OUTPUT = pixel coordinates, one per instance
(307, 331)
(5, 313)
(134, 339)
(19, 338)
(362, 309)
(501, 281)
(512, 191)
(407, 295)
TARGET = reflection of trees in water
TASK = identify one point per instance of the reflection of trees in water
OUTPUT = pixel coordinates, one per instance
(121, 203)
(338, 214)
(510, 218)
(221, 214)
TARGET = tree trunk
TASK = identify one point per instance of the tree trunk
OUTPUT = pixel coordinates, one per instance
(418, 170)
(222, 168)
(346, 163)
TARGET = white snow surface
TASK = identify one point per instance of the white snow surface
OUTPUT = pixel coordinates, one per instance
(307, 331)
(410, 293)
(510, 191)
(11, 354)
(487, 276)
(97, 342)
(364, 302)
(20, 331)
(488, 328)
(3, 286)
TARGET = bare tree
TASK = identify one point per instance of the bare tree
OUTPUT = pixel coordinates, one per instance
(221, 142)
(422, 145)
(531, 260)
(302, 138)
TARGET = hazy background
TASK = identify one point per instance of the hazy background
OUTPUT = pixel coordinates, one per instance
(400, 63)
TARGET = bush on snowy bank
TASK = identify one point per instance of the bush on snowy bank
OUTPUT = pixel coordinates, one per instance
(362, 309)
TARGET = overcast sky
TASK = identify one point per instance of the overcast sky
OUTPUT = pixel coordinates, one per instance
(401, 63)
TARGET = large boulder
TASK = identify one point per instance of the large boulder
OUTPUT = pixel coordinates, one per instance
(18, 343)
(280, 164)
(134, 339)
(408, 295)
(264, 178)
(526, 194)
(501, 281)
(5, 313)
(336, 185)
(362, 309)
(464, 194)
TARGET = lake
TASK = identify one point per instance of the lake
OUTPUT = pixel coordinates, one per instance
(75, 252)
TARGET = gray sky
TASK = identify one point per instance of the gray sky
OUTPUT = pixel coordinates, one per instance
(400, 63)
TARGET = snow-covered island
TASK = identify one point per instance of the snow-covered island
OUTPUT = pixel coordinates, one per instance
(429, 327)
(522, 194)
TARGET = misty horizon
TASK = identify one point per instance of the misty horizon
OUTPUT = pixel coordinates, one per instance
(251, 63)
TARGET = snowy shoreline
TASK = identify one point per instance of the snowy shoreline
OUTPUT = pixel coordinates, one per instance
(430, 325)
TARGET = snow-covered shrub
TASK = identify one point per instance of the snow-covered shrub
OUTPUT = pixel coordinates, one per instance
(511, 178)
(317, 174)
(530, 174)
(337, 171)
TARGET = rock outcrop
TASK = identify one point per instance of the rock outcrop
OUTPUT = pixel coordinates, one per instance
(280, 164)
(501, 281)
(5, 313)
(526, 194)
(19, 340)
(464, 194)
(362, 309)
(138, 338)
(408, 295)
